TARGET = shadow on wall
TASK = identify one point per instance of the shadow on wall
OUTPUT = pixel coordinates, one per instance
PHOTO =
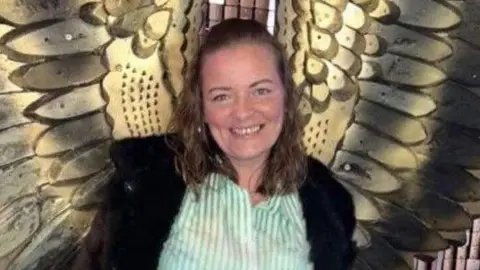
(418, 119)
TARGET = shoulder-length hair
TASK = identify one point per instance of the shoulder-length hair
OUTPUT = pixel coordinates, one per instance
(197, 153)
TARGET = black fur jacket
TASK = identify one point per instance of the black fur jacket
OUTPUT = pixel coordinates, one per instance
(144, 198)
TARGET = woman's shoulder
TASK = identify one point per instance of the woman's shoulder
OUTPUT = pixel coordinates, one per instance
(319, 175)
(142, 153)
(321, 183)
(330, 216)
(143, 193)
(145, 166)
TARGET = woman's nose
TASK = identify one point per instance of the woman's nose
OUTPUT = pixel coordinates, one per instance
(243, 108)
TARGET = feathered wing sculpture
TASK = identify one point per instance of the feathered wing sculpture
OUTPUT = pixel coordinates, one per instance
(392, 107)
(74, 76)
(390, 100)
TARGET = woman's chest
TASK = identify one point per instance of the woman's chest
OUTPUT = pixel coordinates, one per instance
(222, 230)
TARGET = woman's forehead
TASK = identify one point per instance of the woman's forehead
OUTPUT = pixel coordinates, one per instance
(239, 60)
(242, 49)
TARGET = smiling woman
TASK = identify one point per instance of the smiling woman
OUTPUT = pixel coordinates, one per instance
(245, 118)
(240, 82)
(231, 187)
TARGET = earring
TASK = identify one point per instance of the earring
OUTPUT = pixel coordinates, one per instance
(199, 130)
(218, 159)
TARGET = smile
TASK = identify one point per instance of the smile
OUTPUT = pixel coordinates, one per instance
(247, 131)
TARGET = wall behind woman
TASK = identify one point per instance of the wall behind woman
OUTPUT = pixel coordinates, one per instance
(391, 105)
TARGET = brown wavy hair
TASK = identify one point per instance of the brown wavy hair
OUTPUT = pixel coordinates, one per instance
(197, 153)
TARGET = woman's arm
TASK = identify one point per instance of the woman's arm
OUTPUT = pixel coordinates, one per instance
(142, 200)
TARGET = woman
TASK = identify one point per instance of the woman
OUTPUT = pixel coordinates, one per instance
(231, 189)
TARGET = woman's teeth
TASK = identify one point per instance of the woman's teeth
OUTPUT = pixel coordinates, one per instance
(246, 131)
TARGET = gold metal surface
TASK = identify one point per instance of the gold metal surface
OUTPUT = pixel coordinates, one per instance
(390, 94)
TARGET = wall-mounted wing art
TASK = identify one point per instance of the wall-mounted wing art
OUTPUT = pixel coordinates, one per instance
(391, 95)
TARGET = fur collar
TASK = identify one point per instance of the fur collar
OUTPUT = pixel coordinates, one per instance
(146, 194)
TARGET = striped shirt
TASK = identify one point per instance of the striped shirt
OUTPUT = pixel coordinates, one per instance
(223, 230)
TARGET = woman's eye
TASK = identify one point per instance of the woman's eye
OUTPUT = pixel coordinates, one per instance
(262, 91)
(221, 97)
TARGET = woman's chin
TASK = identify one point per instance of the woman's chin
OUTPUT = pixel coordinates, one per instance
(249, 156)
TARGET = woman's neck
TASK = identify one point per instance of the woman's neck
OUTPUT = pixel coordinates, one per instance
(249, 175)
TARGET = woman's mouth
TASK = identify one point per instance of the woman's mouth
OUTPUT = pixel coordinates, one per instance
(247, 130)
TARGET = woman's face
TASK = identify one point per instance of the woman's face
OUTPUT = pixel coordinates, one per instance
(243, 98)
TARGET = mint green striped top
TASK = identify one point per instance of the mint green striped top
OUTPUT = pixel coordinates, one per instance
(224, 231)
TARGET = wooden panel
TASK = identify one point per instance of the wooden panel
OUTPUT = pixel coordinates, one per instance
(475, 242)
(259, 10)
(466, 257)
(462, 253)
(230, 12)
(215, 14)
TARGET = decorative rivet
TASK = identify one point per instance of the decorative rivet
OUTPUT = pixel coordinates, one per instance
(128, 187)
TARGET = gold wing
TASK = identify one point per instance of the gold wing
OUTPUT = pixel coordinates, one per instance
(387, 87)
(392, 106)
(76, 75)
